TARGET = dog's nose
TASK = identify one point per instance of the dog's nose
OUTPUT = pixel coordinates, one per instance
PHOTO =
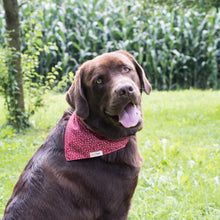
(125, 90)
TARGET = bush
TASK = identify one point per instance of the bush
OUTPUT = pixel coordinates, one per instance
(177, 47)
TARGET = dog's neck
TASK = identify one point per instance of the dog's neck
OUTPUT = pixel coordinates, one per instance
(81, 142)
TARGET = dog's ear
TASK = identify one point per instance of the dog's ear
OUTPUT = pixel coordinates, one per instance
(75, 96)
(145, 85)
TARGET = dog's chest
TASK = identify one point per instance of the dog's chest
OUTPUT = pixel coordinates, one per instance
(109, 184)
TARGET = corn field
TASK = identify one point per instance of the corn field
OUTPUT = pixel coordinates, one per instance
(178, 48)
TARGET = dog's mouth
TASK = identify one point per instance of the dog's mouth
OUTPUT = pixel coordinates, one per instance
(129, 117)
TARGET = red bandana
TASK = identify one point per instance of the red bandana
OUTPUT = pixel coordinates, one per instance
(81, 143)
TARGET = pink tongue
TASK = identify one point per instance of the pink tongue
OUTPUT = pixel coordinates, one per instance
(130, 116)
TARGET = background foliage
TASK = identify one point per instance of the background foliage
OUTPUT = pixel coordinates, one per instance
(176, 42)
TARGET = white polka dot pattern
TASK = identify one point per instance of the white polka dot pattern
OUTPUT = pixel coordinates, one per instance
(81, 143)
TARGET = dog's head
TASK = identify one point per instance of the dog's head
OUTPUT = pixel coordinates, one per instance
(106, 94)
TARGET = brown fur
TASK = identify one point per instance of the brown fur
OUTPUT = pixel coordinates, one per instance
(88, 189)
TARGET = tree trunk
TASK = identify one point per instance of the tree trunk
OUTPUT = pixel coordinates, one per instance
(16, 100)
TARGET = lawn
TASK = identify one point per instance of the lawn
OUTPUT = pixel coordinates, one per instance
(180, 143)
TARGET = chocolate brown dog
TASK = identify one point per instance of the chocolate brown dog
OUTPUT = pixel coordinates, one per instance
(87, 169)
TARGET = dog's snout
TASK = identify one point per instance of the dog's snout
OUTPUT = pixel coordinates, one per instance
(125, 90)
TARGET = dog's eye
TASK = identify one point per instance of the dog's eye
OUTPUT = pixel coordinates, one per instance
(126, 69)
(99, 81)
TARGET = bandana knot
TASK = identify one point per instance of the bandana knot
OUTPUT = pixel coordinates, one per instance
(82, 143)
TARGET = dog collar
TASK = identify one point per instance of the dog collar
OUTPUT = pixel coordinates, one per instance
(82, 143)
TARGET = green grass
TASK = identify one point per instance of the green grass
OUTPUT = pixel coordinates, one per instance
(180, 143)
